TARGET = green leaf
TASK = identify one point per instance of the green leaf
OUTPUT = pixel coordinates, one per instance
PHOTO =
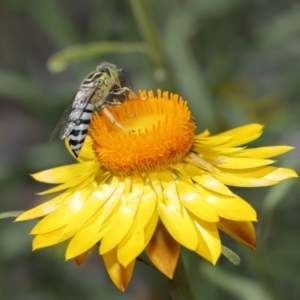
(61, 60)
(231, 256)
(10, 214)
(240, 287)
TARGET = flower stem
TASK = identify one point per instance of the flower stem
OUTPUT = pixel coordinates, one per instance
(150, 35)
(148, 30)
(179, 287)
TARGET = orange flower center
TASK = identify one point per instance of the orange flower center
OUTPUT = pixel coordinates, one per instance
(159, 132)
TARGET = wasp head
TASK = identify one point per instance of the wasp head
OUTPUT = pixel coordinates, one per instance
(110, 69)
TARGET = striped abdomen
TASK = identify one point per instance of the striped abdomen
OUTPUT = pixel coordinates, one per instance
(80, 130)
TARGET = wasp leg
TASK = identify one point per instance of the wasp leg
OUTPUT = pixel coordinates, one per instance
(113, 120)
(107, 103)
(121, 90)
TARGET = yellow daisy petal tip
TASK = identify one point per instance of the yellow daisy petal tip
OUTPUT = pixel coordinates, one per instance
(119, 275)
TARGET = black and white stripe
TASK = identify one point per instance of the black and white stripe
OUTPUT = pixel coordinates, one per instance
(80, 130)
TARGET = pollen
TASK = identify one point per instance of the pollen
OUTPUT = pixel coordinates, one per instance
(157, 132)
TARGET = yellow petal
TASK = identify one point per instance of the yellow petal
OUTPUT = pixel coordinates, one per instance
(203, 134)
(211, 141)
(93, 233)
(229, 207)
(119, 275)
(122, 220)
(155, 181)
(242, 135)
(43, 209)
(195, 202)
(146, 207)
(169, 189)
(249, 129)
(237, 141)
(179, 225)
(64, 213)
(229, 151)
(131, 246)
(206, 180)
(163, 251)
(81, 243)
(262, 176)
(240, 163)
(264, 152)
(64, 173)
(135, 241)
(150, 228)
(46, 240)
(86, 153)
(92, 205)
(280, 174)
(74, 183)
(243, 232)
(209, 244)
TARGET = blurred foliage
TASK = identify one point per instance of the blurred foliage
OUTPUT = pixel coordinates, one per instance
(235, 61)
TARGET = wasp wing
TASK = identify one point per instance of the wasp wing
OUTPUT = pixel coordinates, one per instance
(74, 111)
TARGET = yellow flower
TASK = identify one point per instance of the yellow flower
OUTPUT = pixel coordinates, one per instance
(153, 188)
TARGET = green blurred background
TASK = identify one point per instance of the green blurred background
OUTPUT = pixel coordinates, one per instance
(235, 61)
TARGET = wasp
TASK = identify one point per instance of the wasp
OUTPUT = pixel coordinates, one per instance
(92, 92)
